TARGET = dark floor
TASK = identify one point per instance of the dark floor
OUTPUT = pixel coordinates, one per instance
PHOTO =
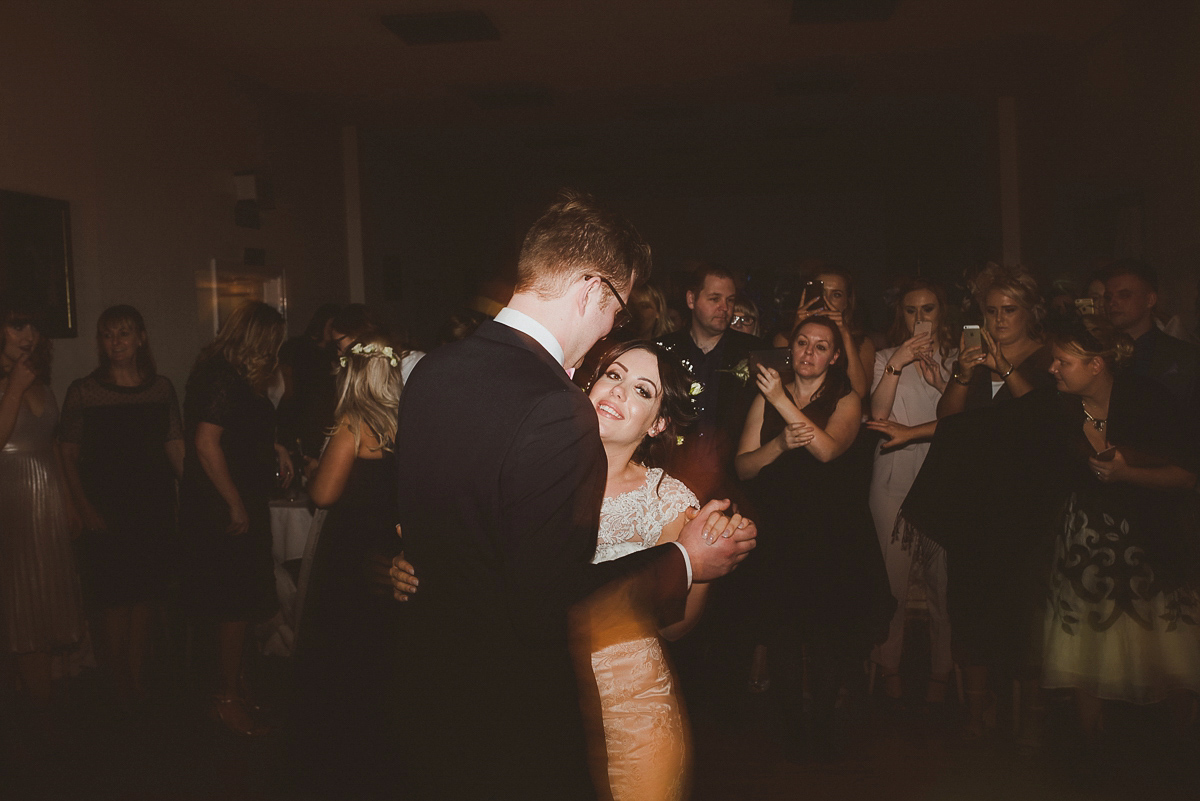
(168, 749)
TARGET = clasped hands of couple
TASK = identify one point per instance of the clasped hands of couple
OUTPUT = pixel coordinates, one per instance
(715, 542)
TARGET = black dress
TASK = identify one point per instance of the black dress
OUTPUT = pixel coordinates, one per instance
(344, 656)
(226, 576)
(823, 569)
(989, 492)
(121, 433)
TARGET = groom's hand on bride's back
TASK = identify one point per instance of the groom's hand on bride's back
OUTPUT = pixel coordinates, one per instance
(715, 542)
(404, 579)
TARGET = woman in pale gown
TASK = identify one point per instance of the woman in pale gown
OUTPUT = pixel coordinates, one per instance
(40, 601)
(909, 380)
(641, 397)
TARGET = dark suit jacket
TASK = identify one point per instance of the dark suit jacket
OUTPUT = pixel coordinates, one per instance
(1174, 364)
(501, 481)
(705, 462)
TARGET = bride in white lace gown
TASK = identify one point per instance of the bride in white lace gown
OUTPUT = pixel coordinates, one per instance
(641, 398)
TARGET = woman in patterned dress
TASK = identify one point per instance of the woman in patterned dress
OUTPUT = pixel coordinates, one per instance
(1122, 619)
(641, 396)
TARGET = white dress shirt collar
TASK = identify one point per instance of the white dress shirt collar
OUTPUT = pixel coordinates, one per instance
(522, 322)
(527, 325)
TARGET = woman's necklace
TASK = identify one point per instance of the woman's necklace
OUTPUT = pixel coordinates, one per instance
(1096, 422)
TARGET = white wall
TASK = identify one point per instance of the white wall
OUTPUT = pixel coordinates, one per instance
(143, 139)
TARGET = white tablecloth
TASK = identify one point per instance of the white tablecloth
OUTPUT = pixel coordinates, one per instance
(291, 525)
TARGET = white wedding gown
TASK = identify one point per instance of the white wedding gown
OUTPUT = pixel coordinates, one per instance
(643, 724)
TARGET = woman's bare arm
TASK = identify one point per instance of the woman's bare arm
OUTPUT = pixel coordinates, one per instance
(333, 471)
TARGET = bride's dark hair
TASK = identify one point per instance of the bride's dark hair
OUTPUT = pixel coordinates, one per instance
(676, 406)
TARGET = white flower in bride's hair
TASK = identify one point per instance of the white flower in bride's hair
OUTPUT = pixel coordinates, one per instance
(695, 389)
(679, 440)
(342, 360)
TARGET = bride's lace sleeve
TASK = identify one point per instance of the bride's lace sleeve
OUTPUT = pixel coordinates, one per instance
(673, 498)
(635, 520)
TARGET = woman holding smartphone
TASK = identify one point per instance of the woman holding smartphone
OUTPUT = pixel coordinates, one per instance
(909, 380)
(831, 294)
(1011, 358)
(1121, 624)
(996, 581)
(827, 582)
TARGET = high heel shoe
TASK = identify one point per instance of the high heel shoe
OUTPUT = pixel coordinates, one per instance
(232, 713)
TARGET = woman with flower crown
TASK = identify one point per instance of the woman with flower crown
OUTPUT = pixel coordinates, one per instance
(342, 652)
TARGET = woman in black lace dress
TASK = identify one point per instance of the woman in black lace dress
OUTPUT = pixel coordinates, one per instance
(122, 444)
(228, 475)
(343, 655)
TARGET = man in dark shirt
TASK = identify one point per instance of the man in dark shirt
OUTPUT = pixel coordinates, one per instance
(712, 660)
(712, 351)
(310, 390)
(1131, 294)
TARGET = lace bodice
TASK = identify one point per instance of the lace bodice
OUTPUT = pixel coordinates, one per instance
(634, 520)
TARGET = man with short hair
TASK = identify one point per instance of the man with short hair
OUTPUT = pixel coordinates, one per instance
(501, 479)
(712, 352)
(1130, 295)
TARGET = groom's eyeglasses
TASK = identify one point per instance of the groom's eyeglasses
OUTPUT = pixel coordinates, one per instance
(623, 317)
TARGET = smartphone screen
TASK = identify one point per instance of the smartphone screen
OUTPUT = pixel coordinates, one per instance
(775, 358)
(815, 289)
(972, 337)
(922, 327)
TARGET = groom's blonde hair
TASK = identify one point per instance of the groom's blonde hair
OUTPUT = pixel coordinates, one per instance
(577, 237)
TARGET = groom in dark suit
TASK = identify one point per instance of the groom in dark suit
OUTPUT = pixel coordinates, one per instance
(501, 480)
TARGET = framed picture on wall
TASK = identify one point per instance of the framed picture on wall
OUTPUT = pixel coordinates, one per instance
(35, 257)
(226, 285)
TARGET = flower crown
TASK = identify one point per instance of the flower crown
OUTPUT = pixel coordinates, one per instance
(371, 350)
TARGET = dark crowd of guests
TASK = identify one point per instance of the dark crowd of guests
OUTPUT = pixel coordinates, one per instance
(1025, 459)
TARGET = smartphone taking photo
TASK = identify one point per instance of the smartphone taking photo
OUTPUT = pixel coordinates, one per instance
(815, 289)
(972, 337)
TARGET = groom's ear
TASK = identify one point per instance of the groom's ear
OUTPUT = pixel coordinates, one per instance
(582, 289)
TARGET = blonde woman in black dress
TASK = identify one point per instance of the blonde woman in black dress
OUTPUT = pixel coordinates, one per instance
(229, 472)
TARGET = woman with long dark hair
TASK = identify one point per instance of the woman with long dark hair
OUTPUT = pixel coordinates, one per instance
(642, 401)
(228, 474)
(122, 442)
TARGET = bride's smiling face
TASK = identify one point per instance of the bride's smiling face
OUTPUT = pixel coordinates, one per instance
(627, 397)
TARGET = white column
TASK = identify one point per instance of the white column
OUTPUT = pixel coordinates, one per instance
(1010, 181)
(354, 237)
